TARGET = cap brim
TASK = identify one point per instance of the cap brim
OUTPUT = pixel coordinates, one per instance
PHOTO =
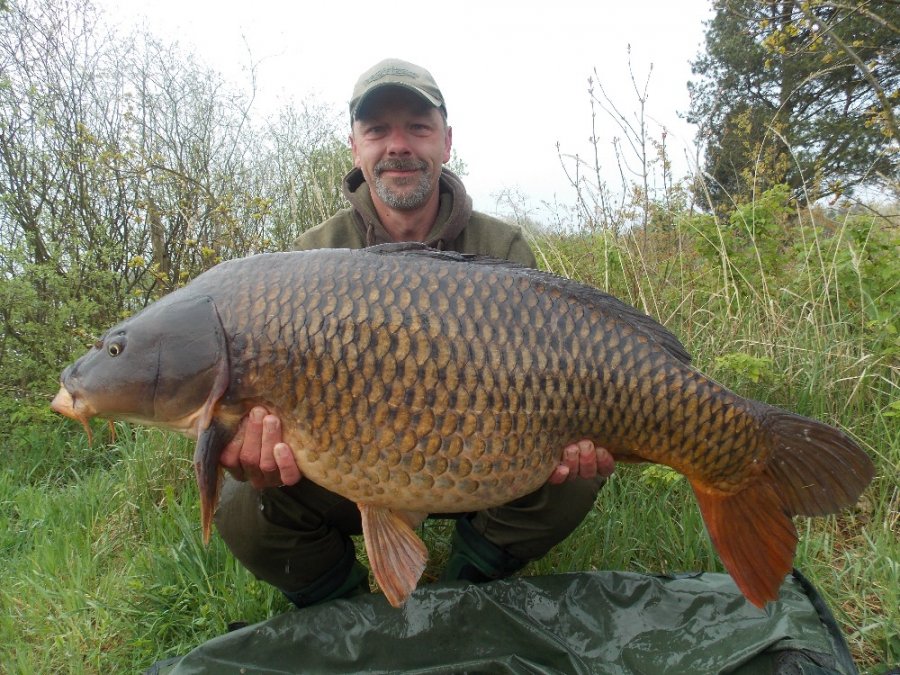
(436, 102)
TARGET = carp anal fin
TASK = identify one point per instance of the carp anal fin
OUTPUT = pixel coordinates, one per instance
(396, 553)
(753, 534)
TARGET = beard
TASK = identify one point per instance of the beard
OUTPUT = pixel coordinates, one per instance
(407, 200)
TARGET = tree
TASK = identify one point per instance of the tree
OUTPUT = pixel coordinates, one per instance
(126, 169)
(800, 92)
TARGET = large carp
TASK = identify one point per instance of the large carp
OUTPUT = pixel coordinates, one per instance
(413, 382)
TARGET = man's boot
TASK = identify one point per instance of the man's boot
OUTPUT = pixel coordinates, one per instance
(473, 558)
(347, 579)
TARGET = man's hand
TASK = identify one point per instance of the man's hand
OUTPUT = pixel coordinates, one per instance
(582, 460)
(257, 453)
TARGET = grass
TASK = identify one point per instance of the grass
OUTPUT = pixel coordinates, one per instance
(103, 566)
(105, 570)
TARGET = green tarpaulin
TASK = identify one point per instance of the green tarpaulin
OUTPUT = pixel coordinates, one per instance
(603, 622)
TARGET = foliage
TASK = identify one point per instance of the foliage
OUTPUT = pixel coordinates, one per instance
(797, 92)
(755, 369)
(126, 169)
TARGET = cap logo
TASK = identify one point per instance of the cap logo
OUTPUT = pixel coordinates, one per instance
(391, 70)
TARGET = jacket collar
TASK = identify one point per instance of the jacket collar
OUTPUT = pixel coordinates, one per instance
(454, 210)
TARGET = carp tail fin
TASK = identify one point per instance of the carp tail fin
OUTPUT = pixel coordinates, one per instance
(396, 553)
(811, 469)
(754, 536)
(817, 469)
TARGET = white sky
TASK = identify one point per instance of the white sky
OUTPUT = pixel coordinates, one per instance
(514, 74)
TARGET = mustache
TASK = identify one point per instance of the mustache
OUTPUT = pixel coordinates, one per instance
(400, 165)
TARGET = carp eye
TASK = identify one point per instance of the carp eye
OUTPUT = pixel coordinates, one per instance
(114, 349)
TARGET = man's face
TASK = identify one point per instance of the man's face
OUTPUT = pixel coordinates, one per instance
(400, 142)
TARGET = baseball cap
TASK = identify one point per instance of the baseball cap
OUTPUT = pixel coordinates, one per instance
(396, 73)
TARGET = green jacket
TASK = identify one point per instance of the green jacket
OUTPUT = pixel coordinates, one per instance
(457, 227)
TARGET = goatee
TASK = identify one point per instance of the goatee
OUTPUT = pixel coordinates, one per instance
(406, 201)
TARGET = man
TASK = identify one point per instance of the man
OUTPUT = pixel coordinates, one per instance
(295, 534)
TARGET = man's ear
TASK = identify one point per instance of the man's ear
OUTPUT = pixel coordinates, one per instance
(353, 151)
(448, 144)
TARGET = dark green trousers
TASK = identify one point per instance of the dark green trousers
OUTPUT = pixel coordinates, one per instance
(293, 537)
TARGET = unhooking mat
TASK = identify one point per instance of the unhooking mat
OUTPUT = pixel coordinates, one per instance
(601, 622)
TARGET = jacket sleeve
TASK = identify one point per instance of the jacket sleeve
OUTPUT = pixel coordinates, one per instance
(520, 252)
(339, 231)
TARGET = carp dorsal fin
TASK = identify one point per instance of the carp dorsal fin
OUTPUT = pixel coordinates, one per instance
(601, 301)
(417, 248)
(396, 553)
(611, 305)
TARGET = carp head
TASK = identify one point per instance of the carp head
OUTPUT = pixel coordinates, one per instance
(166, 366)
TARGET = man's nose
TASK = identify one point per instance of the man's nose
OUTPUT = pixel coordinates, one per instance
(398, 142)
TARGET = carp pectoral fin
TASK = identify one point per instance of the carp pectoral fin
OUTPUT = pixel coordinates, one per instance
(753, 534)
(396, 553)
(212, 434)
(210, 443)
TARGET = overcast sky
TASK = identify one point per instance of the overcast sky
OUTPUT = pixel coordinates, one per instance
(514, 74)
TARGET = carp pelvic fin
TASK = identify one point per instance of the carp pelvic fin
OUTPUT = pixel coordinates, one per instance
(396, 553)
(753, 534)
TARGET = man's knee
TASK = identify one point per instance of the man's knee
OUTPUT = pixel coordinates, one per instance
(238, 517)
(285, 537)
(529, 527)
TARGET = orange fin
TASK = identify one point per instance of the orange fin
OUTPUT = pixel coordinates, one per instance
(212, 434)
(208, 471)
(754, 535)
(815, 467)
(396, 554)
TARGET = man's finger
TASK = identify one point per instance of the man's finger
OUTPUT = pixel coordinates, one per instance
(253, 430)
(587, 459)
(271, 435)
(230, 458)
(287, 465)
(567, 467)
(571, 458)
(559, 475)
(606, 463)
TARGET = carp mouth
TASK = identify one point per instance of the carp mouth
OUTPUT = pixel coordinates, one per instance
(78, 409)
(64, 403)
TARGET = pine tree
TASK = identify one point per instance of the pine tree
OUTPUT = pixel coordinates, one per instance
(798, 92)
